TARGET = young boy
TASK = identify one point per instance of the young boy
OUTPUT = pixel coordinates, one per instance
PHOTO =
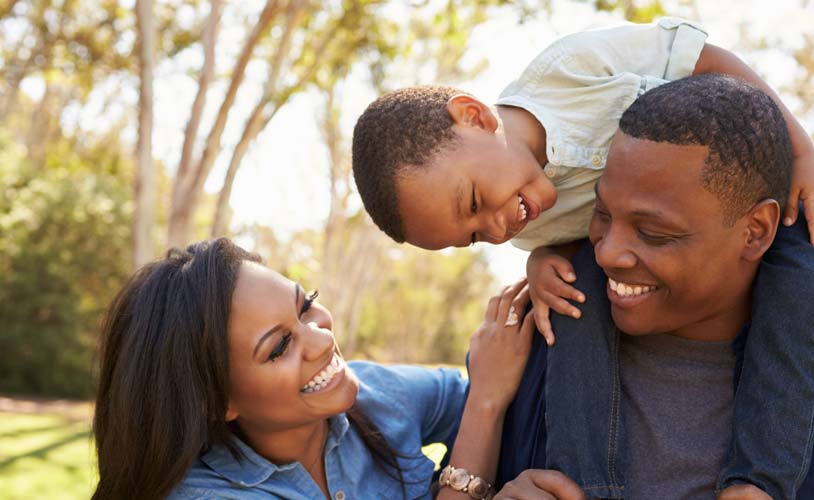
(437, 167)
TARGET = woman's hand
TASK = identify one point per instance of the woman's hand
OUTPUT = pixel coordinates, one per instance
(499, 348)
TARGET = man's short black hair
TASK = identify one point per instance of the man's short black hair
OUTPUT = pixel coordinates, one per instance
(400, 130)
(749, 146)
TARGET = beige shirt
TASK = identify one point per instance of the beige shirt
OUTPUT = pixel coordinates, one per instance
(578, 89)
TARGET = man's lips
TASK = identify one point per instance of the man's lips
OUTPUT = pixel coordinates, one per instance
(629, 294)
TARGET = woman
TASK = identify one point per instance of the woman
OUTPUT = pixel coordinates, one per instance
(222, 379)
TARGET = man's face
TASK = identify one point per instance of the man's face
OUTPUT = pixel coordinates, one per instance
(673, 265)
(480, 189)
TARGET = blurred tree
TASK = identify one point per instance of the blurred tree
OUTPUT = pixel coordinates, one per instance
(64, 243)
(144, 192)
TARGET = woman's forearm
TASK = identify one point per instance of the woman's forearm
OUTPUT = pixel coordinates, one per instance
(477, 445)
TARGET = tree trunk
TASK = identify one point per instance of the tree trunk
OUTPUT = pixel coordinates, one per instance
(190, 185)
(207, 72)
(258, 119)
(145, 173)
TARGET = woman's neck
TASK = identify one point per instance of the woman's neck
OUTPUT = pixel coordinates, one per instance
(304, 444)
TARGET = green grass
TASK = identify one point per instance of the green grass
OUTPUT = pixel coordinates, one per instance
(45, 456)
(48, 456)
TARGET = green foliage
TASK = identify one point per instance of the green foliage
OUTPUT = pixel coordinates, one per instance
(426, 307)
(64, 241)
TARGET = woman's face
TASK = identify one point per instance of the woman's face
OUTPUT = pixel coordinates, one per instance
(285, 369)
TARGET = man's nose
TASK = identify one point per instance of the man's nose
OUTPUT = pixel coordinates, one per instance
(613, 251)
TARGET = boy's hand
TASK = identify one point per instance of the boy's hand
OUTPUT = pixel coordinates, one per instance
(802, 189)
(499, 348)
(549, 276)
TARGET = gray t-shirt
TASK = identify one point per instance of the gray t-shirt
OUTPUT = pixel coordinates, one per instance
(677, 404)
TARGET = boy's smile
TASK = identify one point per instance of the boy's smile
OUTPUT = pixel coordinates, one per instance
(481, 188)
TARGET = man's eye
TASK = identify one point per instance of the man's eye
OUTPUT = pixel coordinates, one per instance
(655, 239)
(281, 348)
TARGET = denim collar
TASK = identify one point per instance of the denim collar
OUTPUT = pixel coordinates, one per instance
(255, 469)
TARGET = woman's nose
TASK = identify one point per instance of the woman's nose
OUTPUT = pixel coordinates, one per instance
(317, 340)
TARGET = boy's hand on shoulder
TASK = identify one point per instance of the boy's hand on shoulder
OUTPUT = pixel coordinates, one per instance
(549, 275)
(802, 189)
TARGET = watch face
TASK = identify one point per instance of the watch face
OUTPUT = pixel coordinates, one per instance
(445, 475)
(478, 488)
(459, 479)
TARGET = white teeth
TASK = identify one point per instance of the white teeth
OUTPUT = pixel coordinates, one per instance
(522, 210)
(626, 290)
(323, 378)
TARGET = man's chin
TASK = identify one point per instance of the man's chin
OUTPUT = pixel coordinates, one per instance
(632, 324)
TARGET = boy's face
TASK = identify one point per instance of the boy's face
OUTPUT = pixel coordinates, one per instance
(479, 189)
(657, 231)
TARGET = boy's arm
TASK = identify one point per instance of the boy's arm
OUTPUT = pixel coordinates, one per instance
(717, 60)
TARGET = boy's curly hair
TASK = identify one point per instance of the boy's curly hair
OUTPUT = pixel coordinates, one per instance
(749, 146)
(399, 131)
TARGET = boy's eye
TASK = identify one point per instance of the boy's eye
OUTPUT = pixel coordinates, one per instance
(474, 206)
(281, 347)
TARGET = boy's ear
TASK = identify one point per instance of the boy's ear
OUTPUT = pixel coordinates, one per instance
(467, 111)
(761, 227)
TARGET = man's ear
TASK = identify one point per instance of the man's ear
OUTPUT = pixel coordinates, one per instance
(467, 111)
(761, 227)
(231, 413)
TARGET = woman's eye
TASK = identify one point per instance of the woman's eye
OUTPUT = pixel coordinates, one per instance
(281, 348)
(309, 301)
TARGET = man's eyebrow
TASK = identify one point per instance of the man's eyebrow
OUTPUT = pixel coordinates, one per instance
(656, 214)
(275, 329)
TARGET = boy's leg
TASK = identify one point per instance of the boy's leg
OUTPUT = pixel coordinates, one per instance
(774, 402)
(582, 415)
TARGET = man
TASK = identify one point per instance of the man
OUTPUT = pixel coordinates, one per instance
(688, 205)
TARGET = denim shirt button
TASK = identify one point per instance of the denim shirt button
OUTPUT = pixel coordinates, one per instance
(340, 495)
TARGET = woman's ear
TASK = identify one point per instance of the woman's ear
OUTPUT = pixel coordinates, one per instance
(467, 111)
(231, 413)
(761, 227)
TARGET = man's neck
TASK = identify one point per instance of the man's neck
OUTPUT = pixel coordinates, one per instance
(724, 326)
(521, 128)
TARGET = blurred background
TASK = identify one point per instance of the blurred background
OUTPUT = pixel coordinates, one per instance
(130, 126)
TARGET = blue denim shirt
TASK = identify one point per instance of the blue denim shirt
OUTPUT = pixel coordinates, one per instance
(411, 406)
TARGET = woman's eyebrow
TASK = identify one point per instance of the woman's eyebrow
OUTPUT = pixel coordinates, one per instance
(297, 292)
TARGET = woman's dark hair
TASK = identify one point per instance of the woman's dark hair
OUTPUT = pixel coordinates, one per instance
(164, 375)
